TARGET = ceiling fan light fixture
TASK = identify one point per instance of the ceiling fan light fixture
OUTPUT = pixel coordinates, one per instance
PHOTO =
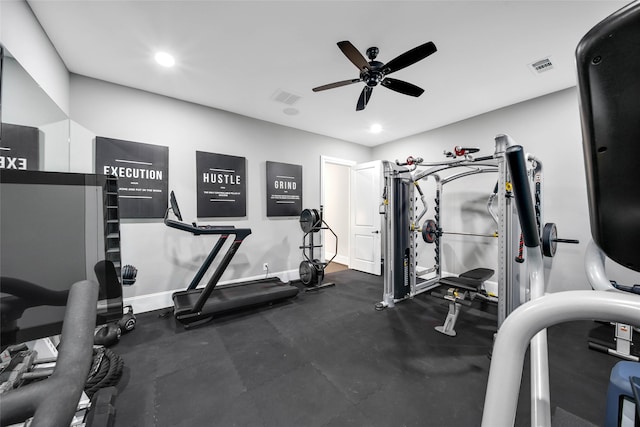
(165, 59)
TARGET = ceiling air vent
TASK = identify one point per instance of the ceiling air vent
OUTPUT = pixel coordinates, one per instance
(541, 66)
(285, 97)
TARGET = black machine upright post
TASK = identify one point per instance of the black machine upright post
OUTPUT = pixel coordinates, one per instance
(213, 281)
(207, 262)
(401, 288)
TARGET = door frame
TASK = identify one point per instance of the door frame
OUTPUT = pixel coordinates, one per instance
(325, 160)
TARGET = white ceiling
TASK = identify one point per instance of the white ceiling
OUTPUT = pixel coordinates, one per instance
(235, 55)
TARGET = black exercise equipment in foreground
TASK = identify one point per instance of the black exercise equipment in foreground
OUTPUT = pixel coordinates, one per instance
(195, 305)
(461, 290)
(53, 402)
(311, 268)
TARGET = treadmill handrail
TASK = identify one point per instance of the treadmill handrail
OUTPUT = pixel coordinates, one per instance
(195, 229)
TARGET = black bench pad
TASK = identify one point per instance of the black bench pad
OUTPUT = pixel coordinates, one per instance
(470, 280)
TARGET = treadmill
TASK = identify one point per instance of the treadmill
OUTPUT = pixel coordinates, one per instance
(194, 305)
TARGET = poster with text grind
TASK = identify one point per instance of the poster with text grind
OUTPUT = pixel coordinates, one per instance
(284, 189)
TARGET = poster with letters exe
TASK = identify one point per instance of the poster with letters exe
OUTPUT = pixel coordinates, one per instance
(143, 175)
(221, 185)
(284, 189)
(19, 147)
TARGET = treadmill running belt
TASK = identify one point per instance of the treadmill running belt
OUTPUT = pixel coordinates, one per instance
(230, 298)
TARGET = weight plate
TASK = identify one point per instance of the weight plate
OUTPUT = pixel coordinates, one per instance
(429, 229)
(308, 273)
(549, 236)
(310, 220)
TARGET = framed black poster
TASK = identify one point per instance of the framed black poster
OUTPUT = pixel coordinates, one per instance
(284, 189)
(143, 175)
(19, 147)
(221, 185)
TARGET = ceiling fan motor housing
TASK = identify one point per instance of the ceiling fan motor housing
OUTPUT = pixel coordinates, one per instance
(373, 76)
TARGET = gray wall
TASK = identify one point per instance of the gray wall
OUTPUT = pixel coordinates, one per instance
(549, 128)
(167, 258)
(22, 35)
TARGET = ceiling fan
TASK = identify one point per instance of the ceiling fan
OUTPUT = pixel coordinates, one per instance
(373, 72)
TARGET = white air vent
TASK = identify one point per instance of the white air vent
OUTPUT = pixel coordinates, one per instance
(285, 97)
(542, 65)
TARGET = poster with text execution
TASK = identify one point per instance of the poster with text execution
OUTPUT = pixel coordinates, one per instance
(221, 185)
(19, 147)
(284, 189)
(143, 175)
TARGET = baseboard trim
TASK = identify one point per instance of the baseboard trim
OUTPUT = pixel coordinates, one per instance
(163, 300)
(340, 259)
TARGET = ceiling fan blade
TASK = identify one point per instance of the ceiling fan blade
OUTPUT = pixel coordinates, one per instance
(364, 98)
(402, 87)
(353, 55)
(336, 84)
(410, 57)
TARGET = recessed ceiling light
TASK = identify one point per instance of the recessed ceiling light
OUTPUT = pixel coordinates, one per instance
(164, 59)
(375, 128)
(290, 111)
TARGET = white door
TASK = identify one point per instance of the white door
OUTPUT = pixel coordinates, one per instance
(366, 221)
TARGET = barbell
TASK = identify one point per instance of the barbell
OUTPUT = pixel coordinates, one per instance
(550, 240)
(430, 231)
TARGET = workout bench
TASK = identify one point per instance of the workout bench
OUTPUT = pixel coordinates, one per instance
(462, 290)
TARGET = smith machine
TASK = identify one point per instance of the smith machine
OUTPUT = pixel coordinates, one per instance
(403, 212)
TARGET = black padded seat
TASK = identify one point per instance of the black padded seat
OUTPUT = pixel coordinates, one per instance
(470, 280)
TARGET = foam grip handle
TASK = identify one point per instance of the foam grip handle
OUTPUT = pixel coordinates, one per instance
(522, 194)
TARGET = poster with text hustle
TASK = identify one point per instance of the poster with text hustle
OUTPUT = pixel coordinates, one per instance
(221, 185)
(143, 175)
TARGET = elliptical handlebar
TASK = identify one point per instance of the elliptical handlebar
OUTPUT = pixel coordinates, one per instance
(522, 194)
